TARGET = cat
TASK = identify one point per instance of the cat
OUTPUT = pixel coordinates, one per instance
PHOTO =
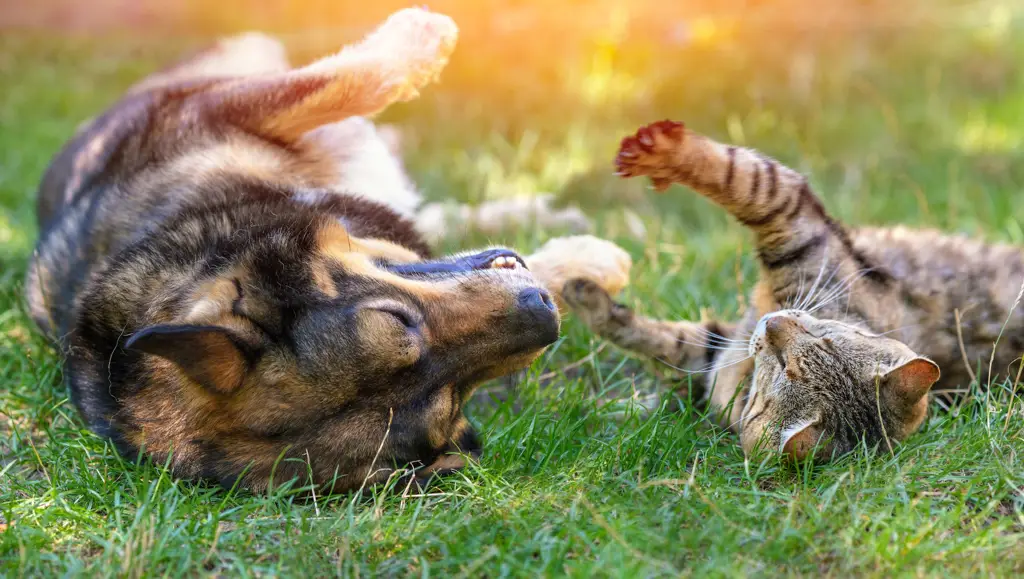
(814, 367)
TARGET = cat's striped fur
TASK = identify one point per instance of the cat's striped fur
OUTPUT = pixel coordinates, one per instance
(847, 328)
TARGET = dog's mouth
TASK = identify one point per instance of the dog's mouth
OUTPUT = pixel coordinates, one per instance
(485, 260)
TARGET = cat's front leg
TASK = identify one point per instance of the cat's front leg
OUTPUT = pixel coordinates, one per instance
(688, 347)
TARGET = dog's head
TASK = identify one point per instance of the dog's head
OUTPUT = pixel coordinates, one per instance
(308, 342)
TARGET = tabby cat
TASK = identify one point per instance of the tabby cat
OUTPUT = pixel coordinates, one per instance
(814, 366)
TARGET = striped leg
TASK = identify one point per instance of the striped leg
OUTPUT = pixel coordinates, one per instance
(795, 236)
(686, 346)
(771, 199)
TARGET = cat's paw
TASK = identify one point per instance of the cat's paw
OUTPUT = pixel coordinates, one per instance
(595, 306)
(652, 151)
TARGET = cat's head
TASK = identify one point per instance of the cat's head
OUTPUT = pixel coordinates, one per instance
(821, 386)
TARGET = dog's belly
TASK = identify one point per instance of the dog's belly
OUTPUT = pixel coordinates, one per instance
(365, 166)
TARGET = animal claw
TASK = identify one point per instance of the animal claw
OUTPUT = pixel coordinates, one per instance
(645, 139)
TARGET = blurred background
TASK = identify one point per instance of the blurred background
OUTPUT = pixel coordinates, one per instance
(920, 96)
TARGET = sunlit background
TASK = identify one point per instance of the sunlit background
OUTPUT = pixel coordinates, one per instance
(538, 92)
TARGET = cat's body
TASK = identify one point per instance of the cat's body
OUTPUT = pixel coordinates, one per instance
(864, 311)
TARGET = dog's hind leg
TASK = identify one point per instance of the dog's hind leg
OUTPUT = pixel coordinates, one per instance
(405, 53)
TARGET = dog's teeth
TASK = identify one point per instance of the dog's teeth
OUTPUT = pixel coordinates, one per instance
(505, 262)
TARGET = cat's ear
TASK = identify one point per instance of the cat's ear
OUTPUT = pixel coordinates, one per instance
(799, 440)
(909, 382)
(212, 356)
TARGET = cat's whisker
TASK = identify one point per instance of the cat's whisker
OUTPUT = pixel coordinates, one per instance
(713, 346)
(709, 368)
(716, 337)
(703, 332)
(799, 291)
(842, 289)
(827, 285)
(743, 416)
(900, 329)
(818, 284)
(712, 340)
(834, 291)
(806, 300)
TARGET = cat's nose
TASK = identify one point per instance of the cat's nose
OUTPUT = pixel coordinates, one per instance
(779, 331)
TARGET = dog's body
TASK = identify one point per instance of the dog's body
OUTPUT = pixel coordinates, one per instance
(229, 264)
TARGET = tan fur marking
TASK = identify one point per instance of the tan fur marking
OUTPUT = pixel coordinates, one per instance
(211, 300)
(439, 418)
(385, 250)
(356, 255)
(322, 279)
(236, 156)
(443, 463)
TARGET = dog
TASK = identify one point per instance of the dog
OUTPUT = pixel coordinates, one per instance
(230, 266)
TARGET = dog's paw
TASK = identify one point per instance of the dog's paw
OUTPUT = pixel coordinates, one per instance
(416, 43)
(652, 151)
(582, 257)
(595, 306)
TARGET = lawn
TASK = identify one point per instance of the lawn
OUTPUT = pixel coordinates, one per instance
(593, 464)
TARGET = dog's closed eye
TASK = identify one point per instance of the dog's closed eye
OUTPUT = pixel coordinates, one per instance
(406, 316)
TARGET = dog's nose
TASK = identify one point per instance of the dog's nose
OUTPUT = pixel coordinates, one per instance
(536, 301)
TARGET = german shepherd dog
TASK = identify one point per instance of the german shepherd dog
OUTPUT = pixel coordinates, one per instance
(227, 303)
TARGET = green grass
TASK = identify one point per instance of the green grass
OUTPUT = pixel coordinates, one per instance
(923, 126)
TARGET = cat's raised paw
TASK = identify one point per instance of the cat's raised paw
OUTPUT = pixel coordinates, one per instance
(651, 151)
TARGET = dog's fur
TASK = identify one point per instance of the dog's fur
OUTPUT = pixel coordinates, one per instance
(229, 266)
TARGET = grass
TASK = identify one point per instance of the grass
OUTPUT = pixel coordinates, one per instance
(918, 125)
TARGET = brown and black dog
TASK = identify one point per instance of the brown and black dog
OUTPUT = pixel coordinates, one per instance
(227, 302)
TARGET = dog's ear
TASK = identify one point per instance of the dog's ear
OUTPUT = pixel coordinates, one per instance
(212, 356)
